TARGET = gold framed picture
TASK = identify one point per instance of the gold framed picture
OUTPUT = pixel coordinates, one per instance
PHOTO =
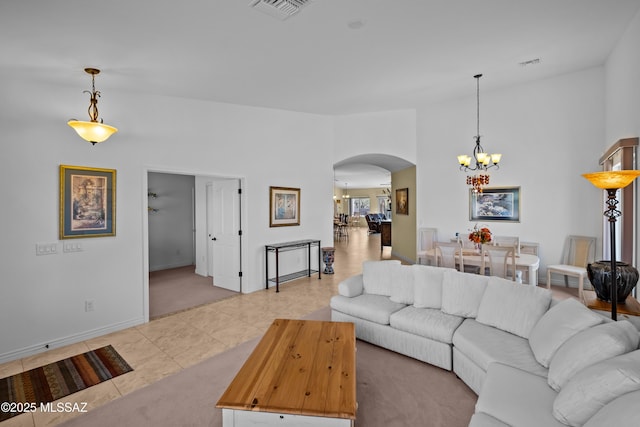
(284, 206)
(87, 202)
(402, 201)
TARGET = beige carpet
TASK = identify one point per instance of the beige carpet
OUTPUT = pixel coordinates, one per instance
(178, 289)
(392, 390)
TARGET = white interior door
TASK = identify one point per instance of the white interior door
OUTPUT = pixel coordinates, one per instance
(223, 231)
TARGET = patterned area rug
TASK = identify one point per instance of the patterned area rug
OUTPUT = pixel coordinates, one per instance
(27, 390)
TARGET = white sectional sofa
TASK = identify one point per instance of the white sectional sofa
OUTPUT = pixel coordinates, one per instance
(533, 361)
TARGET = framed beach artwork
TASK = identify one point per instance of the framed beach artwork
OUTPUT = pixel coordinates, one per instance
(495, 204)
(87, 202)
(284, 206)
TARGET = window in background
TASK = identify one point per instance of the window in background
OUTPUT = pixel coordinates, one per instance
(384, 206)
(360, 205)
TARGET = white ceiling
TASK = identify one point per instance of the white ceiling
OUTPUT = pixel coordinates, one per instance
(408, 52)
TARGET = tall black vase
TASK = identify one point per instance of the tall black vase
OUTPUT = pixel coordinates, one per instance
(599, 274)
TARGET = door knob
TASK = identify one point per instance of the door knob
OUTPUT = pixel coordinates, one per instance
(214, 239)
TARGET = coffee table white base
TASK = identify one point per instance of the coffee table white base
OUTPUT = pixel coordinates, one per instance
(239, 418)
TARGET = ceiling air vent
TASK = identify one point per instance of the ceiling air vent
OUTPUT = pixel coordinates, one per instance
(281, 9)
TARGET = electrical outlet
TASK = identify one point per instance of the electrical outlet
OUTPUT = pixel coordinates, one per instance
(89, 305)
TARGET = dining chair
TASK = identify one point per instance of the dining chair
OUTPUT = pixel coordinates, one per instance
(499, 261)
(577, 253)
(529, 248)
(426, 240)
(449, 254)
(510, 241)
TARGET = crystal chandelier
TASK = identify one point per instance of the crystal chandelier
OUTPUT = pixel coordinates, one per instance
(483, 161)
(93, 131)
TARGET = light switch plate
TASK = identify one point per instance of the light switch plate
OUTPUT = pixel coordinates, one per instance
(46, 248)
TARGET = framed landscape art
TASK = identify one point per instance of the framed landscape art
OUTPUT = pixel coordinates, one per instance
(284, 206)
(495, 204)
(87, 202)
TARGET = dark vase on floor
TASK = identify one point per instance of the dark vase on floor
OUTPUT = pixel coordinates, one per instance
(599, 274)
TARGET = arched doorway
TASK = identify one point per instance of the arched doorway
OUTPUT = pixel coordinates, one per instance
(369, 182)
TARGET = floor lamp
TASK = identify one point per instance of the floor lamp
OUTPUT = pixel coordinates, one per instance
(612, 181)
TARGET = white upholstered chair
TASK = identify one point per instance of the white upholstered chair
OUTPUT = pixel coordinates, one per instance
(427, 237)
(578, 252)
(499, 261)
(449, 255)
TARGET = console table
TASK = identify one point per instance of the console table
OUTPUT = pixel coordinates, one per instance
(276, 248)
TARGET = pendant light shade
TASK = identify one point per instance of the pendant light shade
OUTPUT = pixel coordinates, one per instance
(93, 131)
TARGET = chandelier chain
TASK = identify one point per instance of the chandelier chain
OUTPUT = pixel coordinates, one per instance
(478, 105)
(93, 96)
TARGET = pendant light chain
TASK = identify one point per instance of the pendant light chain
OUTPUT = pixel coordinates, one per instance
(93, 102)
(478, 104)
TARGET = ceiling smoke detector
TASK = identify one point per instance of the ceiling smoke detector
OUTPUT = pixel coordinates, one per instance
(281, 9)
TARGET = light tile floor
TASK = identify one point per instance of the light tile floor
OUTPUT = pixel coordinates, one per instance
(167, 345)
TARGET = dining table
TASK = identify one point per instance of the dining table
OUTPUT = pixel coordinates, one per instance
(528, 263)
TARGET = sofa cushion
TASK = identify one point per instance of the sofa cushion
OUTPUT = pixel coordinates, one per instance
(561, 322)
(351, 286)
(485, 344)
(462, 293)
(591, 346)
(377, 276)
(594, 387)
(428, 286)
(375, 308)
(516, 397)
(620, 412)
(426, 322)
(512, 307)
(402, 284)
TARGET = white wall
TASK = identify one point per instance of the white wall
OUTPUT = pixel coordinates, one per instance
(549, 133)
(171, 224)
(623, 96)
(623, 87)
(389, 132)
(42, 297)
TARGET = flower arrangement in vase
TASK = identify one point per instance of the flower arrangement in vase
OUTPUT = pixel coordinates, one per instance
(480, 236)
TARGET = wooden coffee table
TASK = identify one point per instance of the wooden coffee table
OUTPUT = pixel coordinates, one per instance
(302, 373)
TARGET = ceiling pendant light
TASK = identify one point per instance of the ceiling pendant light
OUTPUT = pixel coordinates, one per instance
(93, 131)
(482, 161)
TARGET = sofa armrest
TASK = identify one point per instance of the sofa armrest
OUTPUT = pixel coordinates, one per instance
(351, 287)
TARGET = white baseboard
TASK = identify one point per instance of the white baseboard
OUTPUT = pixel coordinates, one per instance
(170, 266)
(71, 339)
(403, 258)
